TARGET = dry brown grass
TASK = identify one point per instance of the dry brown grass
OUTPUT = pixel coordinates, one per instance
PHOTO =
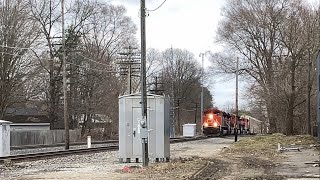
(268, 145)
(179, 168)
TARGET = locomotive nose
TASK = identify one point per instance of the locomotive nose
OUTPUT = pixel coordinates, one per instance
(215, 124)
(205, 124)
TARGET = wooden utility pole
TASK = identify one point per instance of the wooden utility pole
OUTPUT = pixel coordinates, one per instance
(129, 65)
(202, 84)
(145, 156)
(65, 105)
(158, 86)
(237, 112)
(318, 93)
(173, 117)
(129, 79)
(308, 97)
(178, 116)
(318, 78)
(195, 114)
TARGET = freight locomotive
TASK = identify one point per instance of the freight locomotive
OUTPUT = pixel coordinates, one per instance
(217, 122)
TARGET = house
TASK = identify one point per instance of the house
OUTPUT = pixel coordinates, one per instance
(26, 118)
(29, 126)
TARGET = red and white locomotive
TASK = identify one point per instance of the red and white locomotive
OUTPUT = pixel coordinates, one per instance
(217, 122)
(212, 122)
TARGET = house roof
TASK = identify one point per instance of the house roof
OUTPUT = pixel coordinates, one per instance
(24, 111)
(30, 124)
(4, 122)
(26, 115)
(138, 95)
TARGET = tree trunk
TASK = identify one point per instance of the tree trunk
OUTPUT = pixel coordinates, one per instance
(52, 89)
(291, 100)
(84, 125)
(178, 123)
(289, 120)
(271, 117)
(271, 110)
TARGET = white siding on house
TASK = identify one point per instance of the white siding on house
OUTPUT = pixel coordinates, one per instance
(29, 126)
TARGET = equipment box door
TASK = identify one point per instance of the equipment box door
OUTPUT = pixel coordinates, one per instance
(130, 143)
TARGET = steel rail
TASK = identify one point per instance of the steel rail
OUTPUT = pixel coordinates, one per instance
(73, 144)
(60, 144)
(51, 154)
(32, 156)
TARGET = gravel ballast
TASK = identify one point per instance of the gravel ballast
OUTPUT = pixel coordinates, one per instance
(102, 165)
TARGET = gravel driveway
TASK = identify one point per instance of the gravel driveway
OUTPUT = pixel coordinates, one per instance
(103, 165)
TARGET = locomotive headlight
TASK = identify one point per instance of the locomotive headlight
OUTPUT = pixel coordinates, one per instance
(215, 124)
(205, 124)
(210, 116)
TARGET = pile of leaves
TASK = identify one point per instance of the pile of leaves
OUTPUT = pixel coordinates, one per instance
(267, 145)
(179, 168)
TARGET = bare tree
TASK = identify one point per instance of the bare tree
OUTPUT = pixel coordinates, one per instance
(47, 14)
(251, 27)
(106, 31)
(16, 37)
(272, 39)
(181, 77)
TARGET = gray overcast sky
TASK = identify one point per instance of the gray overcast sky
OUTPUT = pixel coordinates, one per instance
(189, 24)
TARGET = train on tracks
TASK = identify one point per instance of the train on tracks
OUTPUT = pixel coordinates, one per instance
(217, 122)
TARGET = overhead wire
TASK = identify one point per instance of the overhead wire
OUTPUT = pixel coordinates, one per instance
(72, 64)
(11, 54)
(157, 7)
(15, 47)
(93, 69)
(93, 60)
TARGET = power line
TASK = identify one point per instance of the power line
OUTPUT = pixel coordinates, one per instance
(15, 47)
(11, 54)
(93, 60)
(157, 7)
(67, 62)
(93, 69)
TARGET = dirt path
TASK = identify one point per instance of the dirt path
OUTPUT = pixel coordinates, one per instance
(249, 163)
(294, 164)
(216, 158)
(105, 165)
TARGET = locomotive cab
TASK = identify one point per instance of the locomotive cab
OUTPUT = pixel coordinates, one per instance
(212, 122)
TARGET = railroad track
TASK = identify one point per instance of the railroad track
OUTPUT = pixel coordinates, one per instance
(34, 156)
(83, 143)
(204, 172)
(60, 144)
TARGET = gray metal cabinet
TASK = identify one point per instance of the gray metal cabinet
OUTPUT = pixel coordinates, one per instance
(158, 119)
(4, 138)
